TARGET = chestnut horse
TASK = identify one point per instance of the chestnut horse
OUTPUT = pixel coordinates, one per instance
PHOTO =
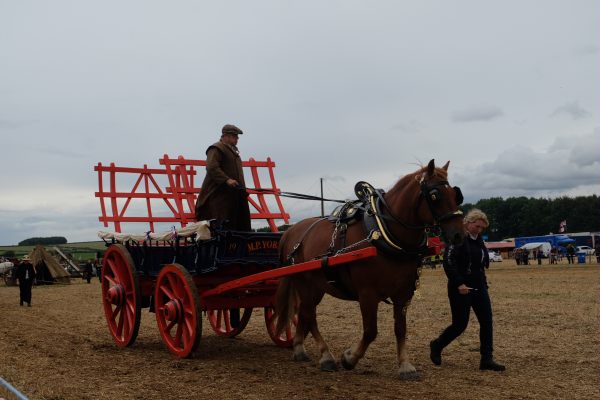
(400, 219)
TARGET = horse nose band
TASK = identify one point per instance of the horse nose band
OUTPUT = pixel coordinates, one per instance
(432, 194)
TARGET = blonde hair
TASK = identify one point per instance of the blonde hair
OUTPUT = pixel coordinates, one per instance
(475, 214)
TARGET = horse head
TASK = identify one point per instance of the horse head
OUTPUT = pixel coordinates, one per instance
(438, 202)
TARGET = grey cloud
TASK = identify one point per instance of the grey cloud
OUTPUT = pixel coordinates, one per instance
(7, 124)
(586, 150)
(572, 109)
(588, 50)
(568, 166)
(412, 126)
(477, 114)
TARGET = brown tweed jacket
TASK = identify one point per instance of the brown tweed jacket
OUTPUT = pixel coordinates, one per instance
(216, 199)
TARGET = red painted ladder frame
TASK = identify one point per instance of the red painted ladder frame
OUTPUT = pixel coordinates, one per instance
(180, 193)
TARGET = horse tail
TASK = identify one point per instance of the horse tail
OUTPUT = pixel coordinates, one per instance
(285, 304)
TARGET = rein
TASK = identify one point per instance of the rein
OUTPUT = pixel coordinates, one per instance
(375, 206)
(291, 195)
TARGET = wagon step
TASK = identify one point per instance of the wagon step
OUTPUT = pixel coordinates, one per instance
(324, 262)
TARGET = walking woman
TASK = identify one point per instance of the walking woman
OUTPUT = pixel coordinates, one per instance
(467, 288)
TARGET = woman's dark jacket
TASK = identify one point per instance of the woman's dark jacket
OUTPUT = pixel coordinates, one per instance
(466, 263)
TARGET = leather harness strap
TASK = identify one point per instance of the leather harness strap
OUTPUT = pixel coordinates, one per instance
(290, 256)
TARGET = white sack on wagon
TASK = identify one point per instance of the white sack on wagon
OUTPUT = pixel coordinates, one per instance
(200, 229)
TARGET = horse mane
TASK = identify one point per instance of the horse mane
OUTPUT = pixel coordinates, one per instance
(403, 182)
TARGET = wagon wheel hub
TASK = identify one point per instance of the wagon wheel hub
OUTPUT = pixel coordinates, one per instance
(173, 310)
(116, 295)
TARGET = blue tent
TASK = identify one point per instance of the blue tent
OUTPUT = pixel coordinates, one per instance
(564, 239)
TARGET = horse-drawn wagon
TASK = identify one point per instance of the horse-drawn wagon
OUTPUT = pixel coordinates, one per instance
(381, 239)
(196, 268)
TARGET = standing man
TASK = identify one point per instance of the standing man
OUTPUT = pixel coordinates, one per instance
(570, 254)
(467, 289)
(25, 276)
(223, 195)
(87, 271)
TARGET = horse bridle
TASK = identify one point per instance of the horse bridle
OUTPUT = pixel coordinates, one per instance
(430, 193)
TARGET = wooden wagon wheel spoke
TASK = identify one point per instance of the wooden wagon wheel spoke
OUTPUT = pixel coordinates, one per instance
(121, 295)
(110, 280)
(220, 321)
(119, 330)
(167, 292)
(177, 305)
(172, 288)
(115, 312)
(286, 339)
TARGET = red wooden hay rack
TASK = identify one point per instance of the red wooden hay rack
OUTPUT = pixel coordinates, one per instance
(168, 194)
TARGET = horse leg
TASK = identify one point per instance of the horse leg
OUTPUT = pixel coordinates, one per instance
(368, 308)
(327, 361)
(307, 322)
(407, 370)
(307, 316)
(302, 329)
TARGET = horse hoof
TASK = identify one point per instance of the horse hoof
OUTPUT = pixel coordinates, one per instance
(410, 376)
(302, 357)
(344, 360)
(329, 366)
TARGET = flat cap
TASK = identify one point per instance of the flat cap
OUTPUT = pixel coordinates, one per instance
(231, 129)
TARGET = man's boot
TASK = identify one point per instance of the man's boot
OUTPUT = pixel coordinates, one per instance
(436, 352)
(490, 364)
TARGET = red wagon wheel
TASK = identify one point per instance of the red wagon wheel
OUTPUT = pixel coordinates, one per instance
(177, 307)
(121, 295)
(286, 339)
(224, 324)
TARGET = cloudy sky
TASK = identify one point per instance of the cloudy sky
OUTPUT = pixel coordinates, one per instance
(508, 91)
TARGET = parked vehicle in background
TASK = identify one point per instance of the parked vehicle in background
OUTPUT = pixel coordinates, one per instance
(494, 257)
(586, 249)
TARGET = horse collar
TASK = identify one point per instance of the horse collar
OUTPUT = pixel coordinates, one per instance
(374, 223)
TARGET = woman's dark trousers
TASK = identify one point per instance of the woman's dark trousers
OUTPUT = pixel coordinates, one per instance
(460, 306)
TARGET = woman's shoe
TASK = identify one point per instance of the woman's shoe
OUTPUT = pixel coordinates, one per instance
(491, 365)
(435, 353)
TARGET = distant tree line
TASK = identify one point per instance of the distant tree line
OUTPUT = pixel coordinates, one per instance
(43, 241)
(522, 216)
(281, 228)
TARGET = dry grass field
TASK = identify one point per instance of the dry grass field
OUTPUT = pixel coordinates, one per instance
(546, 332)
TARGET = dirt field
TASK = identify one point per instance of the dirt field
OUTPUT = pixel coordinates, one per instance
(546, 332)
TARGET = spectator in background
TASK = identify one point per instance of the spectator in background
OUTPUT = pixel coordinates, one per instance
(25, 276)
(540, 255)
(570, 253)
(597, 249)
(87, 271)
(99, 270)
(524, 256)
(553, 255)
